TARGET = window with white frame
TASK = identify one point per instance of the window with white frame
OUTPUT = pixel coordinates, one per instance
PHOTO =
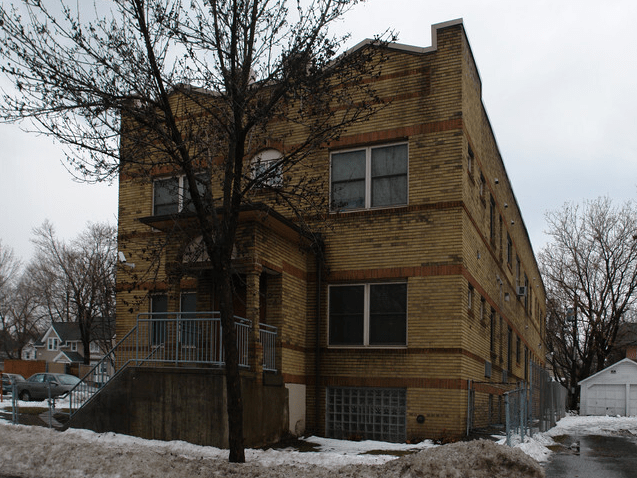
(73, 346)
(369, 177)
(368, 315)
(266, 169)
(53, 343)
(172, 195)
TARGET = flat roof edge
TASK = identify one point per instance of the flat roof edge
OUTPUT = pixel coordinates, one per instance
(411, 48)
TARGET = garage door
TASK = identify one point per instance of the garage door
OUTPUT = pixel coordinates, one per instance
(605, 399)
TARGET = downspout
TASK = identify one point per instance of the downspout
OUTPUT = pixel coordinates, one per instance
(318, 252)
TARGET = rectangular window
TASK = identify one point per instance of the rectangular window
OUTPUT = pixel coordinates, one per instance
(518, 349)
(159, 307)
(470, 162)
(492, 220)
(368, 315)
(509, 250)
(470, 297)
(509, 348)
(172, 195)
(369, 177)
(53, 343)
(166, 196)
(73, 346)
(366, 413)
(189, 326)
(492, 335)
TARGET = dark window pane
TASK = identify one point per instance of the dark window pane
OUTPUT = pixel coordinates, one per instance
(166, 196)
(348, 180)
(389, 191)
(201, 188)
(389, 175)
(189, 328)
(389, 160)
(159, 305)
(347, 315)
(388, 314)
(348, 195)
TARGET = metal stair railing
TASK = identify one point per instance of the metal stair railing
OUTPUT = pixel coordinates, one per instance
(161, 339)
(267, 335)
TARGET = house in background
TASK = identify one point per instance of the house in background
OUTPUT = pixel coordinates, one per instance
(62, 343)
(29, 352)
(426, 284)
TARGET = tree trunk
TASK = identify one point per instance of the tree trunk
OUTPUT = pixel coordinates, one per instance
(223, 284)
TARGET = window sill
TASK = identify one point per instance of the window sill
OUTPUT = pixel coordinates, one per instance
(368, 209)
(367, 347)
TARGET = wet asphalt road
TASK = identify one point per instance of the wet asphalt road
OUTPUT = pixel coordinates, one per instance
(592, 456)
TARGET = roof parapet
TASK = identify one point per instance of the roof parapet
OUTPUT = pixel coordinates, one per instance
(411, 48)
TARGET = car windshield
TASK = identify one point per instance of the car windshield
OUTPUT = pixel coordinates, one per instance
(68, 379)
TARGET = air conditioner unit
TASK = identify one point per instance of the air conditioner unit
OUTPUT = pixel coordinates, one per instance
(521, 291)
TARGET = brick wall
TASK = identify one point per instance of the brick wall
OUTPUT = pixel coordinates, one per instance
(452, 236)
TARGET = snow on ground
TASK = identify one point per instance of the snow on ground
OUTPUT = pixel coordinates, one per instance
(537, 446)
(33, 451)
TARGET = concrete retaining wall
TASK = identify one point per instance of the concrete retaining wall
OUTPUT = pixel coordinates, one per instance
(184, 404)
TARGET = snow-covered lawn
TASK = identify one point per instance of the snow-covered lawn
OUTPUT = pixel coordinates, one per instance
(37, 451)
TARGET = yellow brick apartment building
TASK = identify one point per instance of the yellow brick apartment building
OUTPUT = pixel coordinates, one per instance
(426, 281)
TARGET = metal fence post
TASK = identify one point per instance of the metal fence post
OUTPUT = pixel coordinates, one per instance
(14, 399)
(530, 411)
(469, 407)
(508, 418)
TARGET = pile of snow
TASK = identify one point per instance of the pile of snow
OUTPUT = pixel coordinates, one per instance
(35, 452)
(604, 426)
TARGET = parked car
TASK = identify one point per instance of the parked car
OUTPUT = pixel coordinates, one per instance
(8, 379)
(36, 387)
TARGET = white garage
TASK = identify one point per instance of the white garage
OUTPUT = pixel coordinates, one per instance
(613, 391)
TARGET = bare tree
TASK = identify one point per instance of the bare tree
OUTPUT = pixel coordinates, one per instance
(195, 89)
(23, 319)
(76, 281)
(9, 267)
(590, 273)
(21, 315)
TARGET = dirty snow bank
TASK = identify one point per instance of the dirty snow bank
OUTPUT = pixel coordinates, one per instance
(475, 459)
(36, 452)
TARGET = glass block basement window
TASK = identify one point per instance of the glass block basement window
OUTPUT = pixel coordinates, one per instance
(366, 413)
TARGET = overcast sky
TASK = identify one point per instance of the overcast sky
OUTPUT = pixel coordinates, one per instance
(558, 82)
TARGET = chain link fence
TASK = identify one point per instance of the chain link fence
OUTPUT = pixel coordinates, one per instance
(516, 408)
